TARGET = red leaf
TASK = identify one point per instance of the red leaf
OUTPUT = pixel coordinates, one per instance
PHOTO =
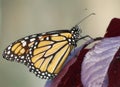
(114, 71)
(113, 28)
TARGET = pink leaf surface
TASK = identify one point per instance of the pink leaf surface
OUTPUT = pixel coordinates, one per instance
(97, 61)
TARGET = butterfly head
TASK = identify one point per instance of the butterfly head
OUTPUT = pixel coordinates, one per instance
(76, 31)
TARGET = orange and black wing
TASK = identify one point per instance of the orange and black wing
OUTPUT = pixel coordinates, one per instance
(44, 54)
(49, 54)
(18, 50)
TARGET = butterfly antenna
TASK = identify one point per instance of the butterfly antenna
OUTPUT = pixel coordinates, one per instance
(85, 18)
(83, 37)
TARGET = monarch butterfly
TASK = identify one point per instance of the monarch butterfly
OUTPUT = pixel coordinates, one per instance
(44, 53)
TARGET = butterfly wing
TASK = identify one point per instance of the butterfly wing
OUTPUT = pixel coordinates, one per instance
(44, 54)
(48, 54)
(18, 50)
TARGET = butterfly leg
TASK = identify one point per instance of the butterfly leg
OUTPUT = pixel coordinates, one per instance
(83, 37)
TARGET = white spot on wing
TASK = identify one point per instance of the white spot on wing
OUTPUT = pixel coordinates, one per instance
(15, 57)
(47, 38)
(49, 75)
(34, 35)
(43, 73)
(24, 44)
(26, 38)
(55, 35)
(22, 57)
(31, 40)
(22, 41)
(36, 43)
(9, 47)
(11, 55)
(8, 52)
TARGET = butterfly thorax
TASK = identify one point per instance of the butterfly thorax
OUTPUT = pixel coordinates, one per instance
(75, 31)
